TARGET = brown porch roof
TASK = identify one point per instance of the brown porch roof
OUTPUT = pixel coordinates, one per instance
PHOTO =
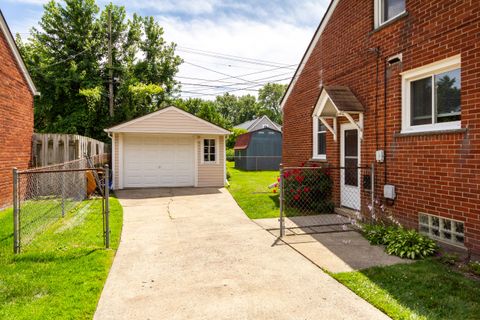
(344, 99)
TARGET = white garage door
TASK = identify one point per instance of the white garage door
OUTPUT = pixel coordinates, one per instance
(155, 161)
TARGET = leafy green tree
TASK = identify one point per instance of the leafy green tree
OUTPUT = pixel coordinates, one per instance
(232, 138)
(67, 58)
(247, 108)
(269, 97)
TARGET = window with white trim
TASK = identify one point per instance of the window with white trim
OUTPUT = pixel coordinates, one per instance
(443, 229)
(432, 97)
(386, 10)
(319, 140)
(209, 150)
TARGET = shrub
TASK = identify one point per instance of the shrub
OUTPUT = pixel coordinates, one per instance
(400, 242)
(474, 267)
(450, 258)
(409, 244)
(308, 190)
(377, 234)
(230, 155)
(228, 175)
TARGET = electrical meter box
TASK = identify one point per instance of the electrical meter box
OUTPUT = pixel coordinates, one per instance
(379, 156)
(389, 191)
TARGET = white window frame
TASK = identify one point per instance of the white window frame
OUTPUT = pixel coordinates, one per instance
(432, 69)
(203, 150)
(378, 13)
(316, 155)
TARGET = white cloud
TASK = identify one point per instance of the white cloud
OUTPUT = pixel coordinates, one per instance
(272, 41)
(35, 2)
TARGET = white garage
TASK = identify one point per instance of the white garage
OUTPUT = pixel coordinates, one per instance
(168, 148)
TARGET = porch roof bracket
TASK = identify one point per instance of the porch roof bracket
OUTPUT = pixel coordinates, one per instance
(332, 130)
(358, 124)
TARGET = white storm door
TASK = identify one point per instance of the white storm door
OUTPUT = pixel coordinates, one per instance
(350, 161)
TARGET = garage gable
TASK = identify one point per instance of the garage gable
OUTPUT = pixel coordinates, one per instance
(169, 120)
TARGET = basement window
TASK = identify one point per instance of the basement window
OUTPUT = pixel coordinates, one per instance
(443, 229)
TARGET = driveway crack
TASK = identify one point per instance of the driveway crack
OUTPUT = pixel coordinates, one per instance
(170, 201)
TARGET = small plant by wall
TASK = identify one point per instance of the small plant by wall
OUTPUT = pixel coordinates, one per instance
(400, 242)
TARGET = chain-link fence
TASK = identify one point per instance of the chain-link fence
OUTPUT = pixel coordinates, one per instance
(256, 163)
(72, 190)
(324, 199)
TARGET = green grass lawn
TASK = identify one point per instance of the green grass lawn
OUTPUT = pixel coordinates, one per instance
(61, 273)
(250, 190)
(422, 290)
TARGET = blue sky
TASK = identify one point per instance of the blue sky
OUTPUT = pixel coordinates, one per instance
(276, 31)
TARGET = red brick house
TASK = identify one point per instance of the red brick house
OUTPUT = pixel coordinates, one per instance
(16, 112)
(401, 77)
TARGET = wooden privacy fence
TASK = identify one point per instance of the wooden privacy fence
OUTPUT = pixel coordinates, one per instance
(55, 148)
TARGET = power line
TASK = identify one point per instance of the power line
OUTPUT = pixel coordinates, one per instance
(73, 56)
(231, 57)
(229, 91)
(215, 71)
(242, 60)
(244, 75)
(234, 83)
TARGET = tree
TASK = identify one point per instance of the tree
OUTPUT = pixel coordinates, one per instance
(67, 58)
(232, 138)
(269, 97)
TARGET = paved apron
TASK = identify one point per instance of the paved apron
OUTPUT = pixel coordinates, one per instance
(193, 254)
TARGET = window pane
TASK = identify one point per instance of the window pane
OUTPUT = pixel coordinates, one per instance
(421, 101)
(212, 149)
(205, 157)
(321, 143)
(392, 8)
(448, 88)
(206, 142)
(351, 172)
(212, 157)
(321, 127)
(351, 143)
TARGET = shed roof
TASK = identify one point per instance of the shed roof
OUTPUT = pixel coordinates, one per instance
(243, 141)
(249, 125)
(168, 120)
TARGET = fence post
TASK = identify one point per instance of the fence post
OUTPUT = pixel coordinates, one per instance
(16, 220)
(282, 222)
(63, 194)
(372, 174)
(107, 207)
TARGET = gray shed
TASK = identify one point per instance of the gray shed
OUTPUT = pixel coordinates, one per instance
(259, 150)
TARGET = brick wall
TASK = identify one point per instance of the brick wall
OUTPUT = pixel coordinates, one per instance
(437, 174)
(16, 121)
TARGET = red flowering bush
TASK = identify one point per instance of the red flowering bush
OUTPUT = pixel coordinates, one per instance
(308, 189)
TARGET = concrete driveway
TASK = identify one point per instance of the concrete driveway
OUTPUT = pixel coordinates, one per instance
(193, 254)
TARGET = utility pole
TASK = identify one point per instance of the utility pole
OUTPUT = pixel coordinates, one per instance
(110, 68)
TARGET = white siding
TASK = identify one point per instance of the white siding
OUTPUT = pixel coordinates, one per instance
(211, 174)
(170, 121)
(263, 121)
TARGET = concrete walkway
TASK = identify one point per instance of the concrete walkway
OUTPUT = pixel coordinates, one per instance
(193, 254)
(335, 248)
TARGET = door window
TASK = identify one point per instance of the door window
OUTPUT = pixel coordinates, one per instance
(351, 157)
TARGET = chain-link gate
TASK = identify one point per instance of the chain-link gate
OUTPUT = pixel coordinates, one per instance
(72, 190)
(324, 199)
